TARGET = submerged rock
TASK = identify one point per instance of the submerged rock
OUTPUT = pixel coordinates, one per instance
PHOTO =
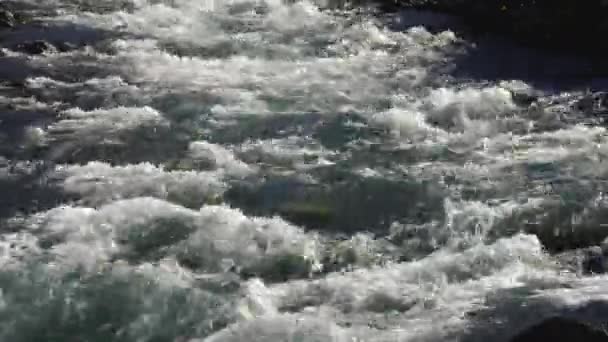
(308, 214)
(7, 19)
(558, 329)
(595, 103)
(66, 46)
(591, 260)
(280, 268)
(36, 47)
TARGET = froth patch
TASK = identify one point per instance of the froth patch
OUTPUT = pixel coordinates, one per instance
(146, 302)
(103, 124)
(15, 248)
(291, 151)
(282, 328)
(105, 92)
(99, 183)
(422, 300)
(79, 130)
(456, 109)
(147, 229)
(405, 124)
(219, 158)
(25, 104)
(404, 286)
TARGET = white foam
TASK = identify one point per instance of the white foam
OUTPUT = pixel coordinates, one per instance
(242, 86)
(111, 91)
(410, 125)
(293, 151)
(88, 237)
(230, 234)
(100, 183)
(282, 328)
(423, 300)
(150, 297)
(352, 69)
(102, 124)
(16, 249)
(25, 103)
(450, 108)
(210, 63)
(221, 158)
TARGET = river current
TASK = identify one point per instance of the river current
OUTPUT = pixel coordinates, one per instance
(182, 170)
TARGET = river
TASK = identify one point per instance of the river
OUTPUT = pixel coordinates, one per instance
(182, 170)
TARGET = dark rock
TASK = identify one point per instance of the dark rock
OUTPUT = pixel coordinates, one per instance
(553, 223)
(524, 97)
(36, 47)
(7, 19)
(595, 103)
(66, 46)
(313, 214)
(280, 268)
(594, 260)
(558, 329)
(590, 260)
(557, 240)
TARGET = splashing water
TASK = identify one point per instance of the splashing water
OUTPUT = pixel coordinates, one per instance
(267, 171)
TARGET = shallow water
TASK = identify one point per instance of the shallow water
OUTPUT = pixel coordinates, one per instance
(261, 171)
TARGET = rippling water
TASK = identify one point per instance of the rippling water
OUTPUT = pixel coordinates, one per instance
(260, 171)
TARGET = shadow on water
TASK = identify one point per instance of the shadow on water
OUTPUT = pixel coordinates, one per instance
(61, 33)
(495, 57)
(498, 58)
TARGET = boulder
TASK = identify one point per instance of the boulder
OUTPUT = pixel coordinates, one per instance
(558, 329)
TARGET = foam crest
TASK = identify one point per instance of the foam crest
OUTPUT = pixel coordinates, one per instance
(422, 300)
(407, 284)
(404, 124)
(147, 229)
(118, 302)
(103, 123)
(218, 158)
(93, 93)
(292, 151)
(455, 109)
(99, 183)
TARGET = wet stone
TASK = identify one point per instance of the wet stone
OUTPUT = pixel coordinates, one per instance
(559, 329)
(524, 98)
(37, 47)
(7, 19)
(595, 104)
(589, 260)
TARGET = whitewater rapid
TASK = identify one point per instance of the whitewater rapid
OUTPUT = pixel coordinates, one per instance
(265, 171)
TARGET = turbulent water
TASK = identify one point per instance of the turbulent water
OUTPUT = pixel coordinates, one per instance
(186, 170)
